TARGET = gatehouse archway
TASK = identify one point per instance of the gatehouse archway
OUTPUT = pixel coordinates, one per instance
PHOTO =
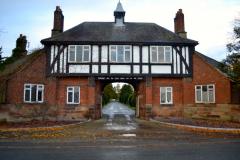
(142, 88)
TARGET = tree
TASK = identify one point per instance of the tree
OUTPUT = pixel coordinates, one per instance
(127, 95)
(108, 94)
(231, 65)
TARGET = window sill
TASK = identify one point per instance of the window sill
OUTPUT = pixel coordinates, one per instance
(205, 102)
(33, 103)
(166, 105)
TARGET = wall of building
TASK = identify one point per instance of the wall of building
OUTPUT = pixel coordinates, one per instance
(184, 93)
(148, 91)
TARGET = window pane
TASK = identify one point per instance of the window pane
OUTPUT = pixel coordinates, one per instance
(198, 92)
(34, 93)
(72, 53)
(211, 98)
(168, 57)
(127, 56)
(210, 87)
(154, 54)
(160, 54)
(79, 54)
(169, 97)
(120, 53)
(70, 96)
(204, 94)
(76, 94)
(27, 86)
(127, 47)
(163, 95)
(86, 56)
(27, 95)
(40, 95)
(113, 55)
(204, 88)
(113, 47)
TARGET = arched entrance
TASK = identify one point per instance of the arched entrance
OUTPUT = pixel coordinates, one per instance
(142, 87)
(120, 98)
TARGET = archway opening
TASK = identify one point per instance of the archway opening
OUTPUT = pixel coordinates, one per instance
(119, 98)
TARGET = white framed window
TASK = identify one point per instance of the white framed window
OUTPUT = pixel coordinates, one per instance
(166, 95)
(79, 53)
(73, 95)
(33, 93)
(205, 93)
(161, 54)
(120, 53)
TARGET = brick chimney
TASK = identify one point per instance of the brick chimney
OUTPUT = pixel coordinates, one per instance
(58, 21)
(179, 24)
(21, 44)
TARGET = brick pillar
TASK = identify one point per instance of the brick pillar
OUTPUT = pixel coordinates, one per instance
(92, 97)
(148, 94)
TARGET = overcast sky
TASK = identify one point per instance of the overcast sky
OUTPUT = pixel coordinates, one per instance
(209, 22)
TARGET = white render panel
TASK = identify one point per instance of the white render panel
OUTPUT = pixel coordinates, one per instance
(52, 56)
(52, 53)
(95, 54)
(55, 54)
(145, 69)
(104, 57)
(65, 60)
(78, 68)
(187, 55)
(145, 54)
(178, 63)
(103, 68)
(183, 64)
(120, 69)
(136, 53)
(61, 62)
(161, 69)
(95, 69)
(174, 62)
(136, 69)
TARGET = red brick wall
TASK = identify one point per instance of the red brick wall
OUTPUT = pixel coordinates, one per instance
(33, 73)
(203, 73)
(184, 88)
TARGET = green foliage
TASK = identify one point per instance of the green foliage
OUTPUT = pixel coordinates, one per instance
(127, 95)
(108, 94)
(231, 65)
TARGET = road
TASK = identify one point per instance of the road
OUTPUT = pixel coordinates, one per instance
(115, 140)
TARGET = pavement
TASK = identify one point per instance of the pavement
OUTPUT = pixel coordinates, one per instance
(118, 139)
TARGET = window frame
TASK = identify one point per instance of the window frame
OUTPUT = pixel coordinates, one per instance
(30, 94)
(124, 53)
(166, 87)
(75, 54)
(164, 48)
(201, 93)
(73, 94)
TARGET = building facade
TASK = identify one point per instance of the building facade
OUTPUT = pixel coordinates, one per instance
(68, 76)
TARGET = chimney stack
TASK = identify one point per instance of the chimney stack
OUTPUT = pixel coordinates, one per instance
(58, 21)
(179, 24)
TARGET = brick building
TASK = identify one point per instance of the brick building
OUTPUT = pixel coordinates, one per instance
(65, 80)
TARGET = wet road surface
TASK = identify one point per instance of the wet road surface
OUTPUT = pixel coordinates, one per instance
(116, 137)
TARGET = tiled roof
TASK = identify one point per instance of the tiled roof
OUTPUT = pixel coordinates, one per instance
(108, 32)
